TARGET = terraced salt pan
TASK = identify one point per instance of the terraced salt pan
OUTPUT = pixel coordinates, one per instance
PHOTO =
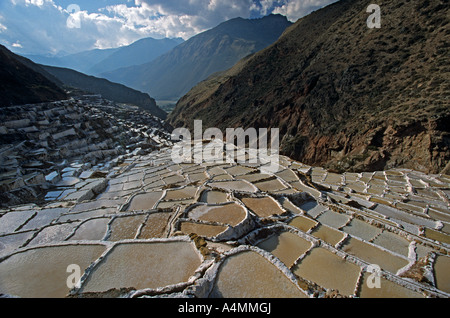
(437, 236)
(144, 202)
(232, 214)
(174, 204)
(374, 255)
(124, 228)
(42, 272)
(176, 179)
(388, 289)
(393, 242)
(54, 233)
(13, 220)
(254, 177)
(329, 271)
(180, 194)
(286, 246)
(238, 185)
(144, 265)
(270, 185)
(303, 223)
(87, 215)
(239, 170)
(263, 207)
(91, 230)
(441, 273)
(214, 197)
(156, 226)
(361, 230)
(328, 234)
(333, 219)
(249, 275)
(9, 243)
(205, 230)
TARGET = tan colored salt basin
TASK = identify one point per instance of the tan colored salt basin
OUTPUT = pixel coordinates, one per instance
(143, 202)
(254, 177)
(441, 273)
(92, 230)
(174, 204)
(329, 271)
(125, 228)
(286, 246)
(214, 197)
(437, 236)
(393, 242)
(249, 275)
(239, 170)
(42, 272)
(303, 223)
(388, 289)
(263, 207)
(204, 230)
(270, 186)
(333, 219)
(180, 194)
(156, 226)
(238, 185)
(144, 265)
(232, 214)
(328, 234)
(361, 229)
(374, 255)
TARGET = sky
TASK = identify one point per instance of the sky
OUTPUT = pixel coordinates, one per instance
(61, 27)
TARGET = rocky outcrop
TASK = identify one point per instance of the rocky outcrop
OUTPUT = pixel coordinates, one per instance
(344, 96)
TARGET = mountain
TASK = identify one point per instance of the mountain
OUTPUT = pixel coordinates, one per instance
(95, 62)
(140, 52)
(81, 62)
(112, 91)
(173, 74)
(344, 96)
(20, 84)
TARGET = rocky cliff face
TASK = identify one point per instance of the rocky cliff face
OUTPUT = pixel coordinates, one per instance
(344, 96)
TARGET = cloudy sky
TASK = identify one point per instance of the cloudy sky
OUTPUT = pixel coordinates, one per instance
(50, 27)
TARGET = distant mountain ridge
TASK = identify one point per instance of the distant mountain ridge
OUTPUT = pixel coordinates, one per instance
(173, 74)
(344, 96)
(112, 91)
(25, 82)
(97, 61)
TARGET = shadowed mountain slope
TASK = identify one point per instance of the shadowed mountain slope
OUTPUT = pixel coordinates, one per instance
(344, 96)
(173, 74)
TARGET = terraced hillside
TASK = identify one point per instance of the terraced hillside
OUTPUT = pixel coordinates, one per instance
(228, 230)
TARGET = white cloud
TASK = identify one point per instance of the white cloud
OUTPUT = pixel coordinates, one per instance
(295, 9)
(17, 45)
(43, 25)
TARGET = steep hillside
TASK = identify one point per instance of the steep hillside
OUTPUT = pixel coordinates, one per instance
(344, 96)
(20, 84)
(173, 74)
(112, 91)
